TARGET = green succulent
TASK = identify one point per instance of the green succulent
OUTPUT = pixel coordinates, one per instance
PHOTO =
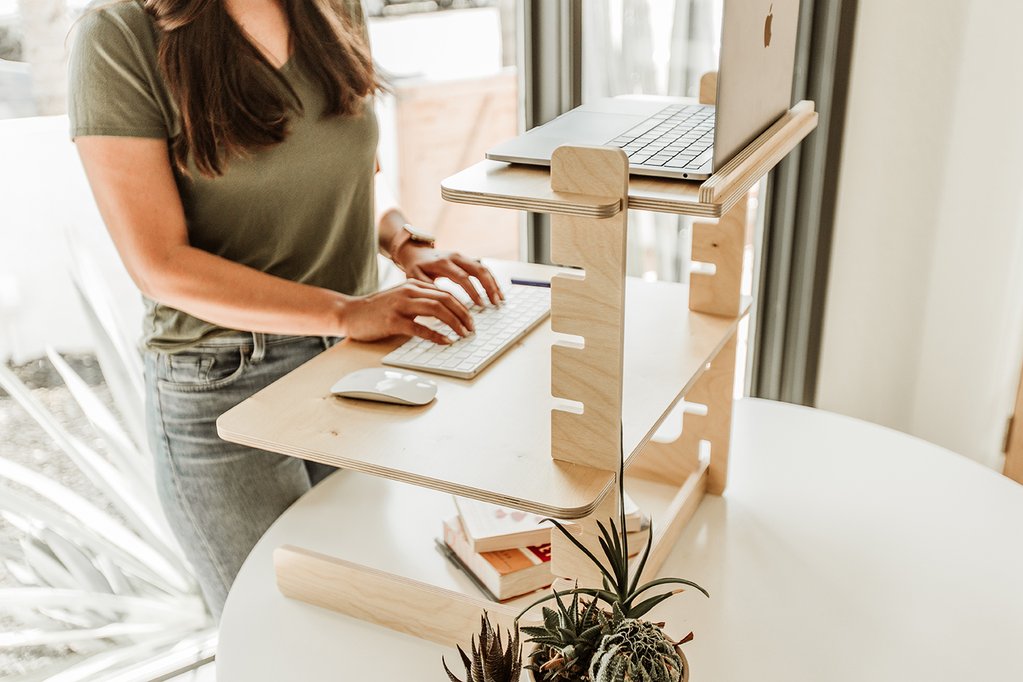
(618, 589)
(637, 651)
(569, 637)
(616, 658)
(491, 661)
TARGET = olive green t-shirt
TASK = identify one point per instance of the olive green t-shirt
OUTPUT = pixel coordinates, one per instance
(301, 209)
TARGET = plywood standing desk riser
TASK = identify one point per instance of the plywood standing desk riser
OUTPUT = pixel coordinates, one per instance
(622, 354)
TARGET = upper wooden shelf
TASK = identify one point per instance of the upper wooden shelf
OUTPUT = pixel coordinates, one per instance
(528, 188)
(490, 437)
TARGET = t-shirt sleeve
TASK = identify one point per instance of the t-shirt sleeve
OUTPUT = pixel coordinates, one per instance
(112, 80)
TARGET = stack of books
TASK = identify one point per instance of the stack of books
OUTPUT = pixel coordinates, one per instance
(507, 552)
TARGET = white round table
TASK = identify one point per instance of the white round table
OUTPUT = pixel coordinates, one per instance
(840, 551)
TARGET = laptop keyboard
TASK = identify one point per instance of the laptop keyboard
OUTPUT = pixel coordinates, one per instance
(679, 137)
(497, 329)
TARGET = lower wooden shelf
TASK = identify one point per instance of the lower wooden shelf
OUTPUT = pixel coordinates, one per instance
(385, 568)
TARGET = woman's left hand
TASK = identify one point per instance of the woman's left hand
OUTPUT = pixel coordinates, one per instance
(427, 264)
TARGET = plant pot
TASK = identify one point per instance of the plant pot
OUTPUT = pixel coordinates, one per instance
(685, 666)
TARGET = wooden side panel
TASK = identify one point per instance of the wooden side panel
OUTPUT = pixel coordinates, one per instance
(671, 462)
(715, 390)
(591, 306)
(566, 559)
(722, 245)
(415, 608)
(676, 461)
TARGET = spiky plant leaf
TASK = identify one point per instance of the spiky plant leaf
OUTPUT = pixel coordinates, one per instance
(75, 527)
(491, 660)
(140, 510)
(132, 461)
(100, 521)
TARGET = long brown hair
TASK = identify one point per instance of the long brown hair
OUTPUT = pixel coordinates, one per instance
(231, 99)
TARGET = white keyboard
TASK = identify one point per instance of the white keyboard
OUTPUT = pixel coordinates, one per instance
(497, 328)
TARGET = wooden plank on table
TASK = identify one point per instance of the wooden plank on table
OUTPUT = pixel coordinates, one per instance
(681, 509)
(396, 602)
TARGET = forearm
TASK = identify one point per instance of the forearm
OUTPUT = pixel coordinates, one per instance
(389, 217)
(236, 296)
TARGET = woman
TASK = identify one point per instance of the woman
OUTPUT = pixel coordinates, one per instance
(230, 146)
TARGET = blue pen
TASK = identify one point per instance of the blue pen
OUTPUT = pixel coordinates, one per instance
(531, 282)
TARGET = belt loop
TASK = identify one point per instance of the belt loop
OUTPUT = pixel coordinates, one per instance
(258, 348)
(326, 342)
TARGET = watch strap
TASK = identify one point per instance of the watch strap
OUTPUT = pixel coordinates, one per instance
(407, 233)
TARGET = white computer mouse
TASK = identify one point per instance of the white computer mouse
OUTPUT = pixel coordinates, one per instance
(386, 385)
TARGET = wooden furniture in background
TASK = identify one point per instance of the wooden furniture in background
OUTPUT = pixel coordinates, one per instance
(440, 128)
(508, 436)
(1014, 440)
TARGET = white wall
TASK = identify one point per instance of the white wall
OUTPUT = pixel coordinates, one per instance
(925, 302)
(44, 196)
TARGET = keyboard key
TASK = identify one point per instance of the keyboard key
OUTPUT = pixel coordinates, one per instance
(702, 158)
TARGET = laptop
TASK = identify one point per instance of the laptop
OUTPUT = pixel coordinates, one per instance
(671, 137)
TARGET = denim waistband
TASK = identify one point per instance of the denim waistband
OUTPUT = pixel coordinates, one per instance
(258, 342)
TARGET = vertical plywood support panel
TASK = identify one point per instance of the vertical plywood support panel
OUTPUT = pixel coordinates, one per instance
(676, 461)
(670, 462)
(714, 389)
(566, 559)
(720, 244)
(590, 305)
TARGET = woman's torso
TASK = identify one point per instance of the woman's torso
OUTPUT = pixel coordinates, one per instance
(301, 210)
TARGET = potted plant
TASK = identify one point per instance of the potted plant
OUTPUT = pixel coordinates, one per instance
(491, 661)
(605, 638)
(600, 635)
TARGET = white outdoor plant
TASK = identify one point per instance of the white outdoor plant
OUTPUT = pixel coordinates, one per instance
(87, 577)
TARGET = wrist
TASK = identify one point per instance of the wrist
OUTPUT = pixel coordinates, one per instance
(340, 311)
(408, 236)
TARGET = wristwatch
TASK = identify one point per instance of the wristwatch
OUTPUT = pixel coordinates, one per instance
(408, 233)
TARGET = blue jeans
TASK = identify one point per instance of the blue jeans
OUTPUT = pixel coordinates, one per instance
(221, 497)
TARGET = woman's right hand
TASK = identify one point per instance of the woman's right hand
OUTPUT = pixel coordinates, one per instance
(393, 311)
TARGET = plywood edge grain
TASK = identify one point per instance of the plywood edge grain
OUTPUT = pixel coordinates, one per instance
(503, 185)
(230, 433)
(761, 155)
